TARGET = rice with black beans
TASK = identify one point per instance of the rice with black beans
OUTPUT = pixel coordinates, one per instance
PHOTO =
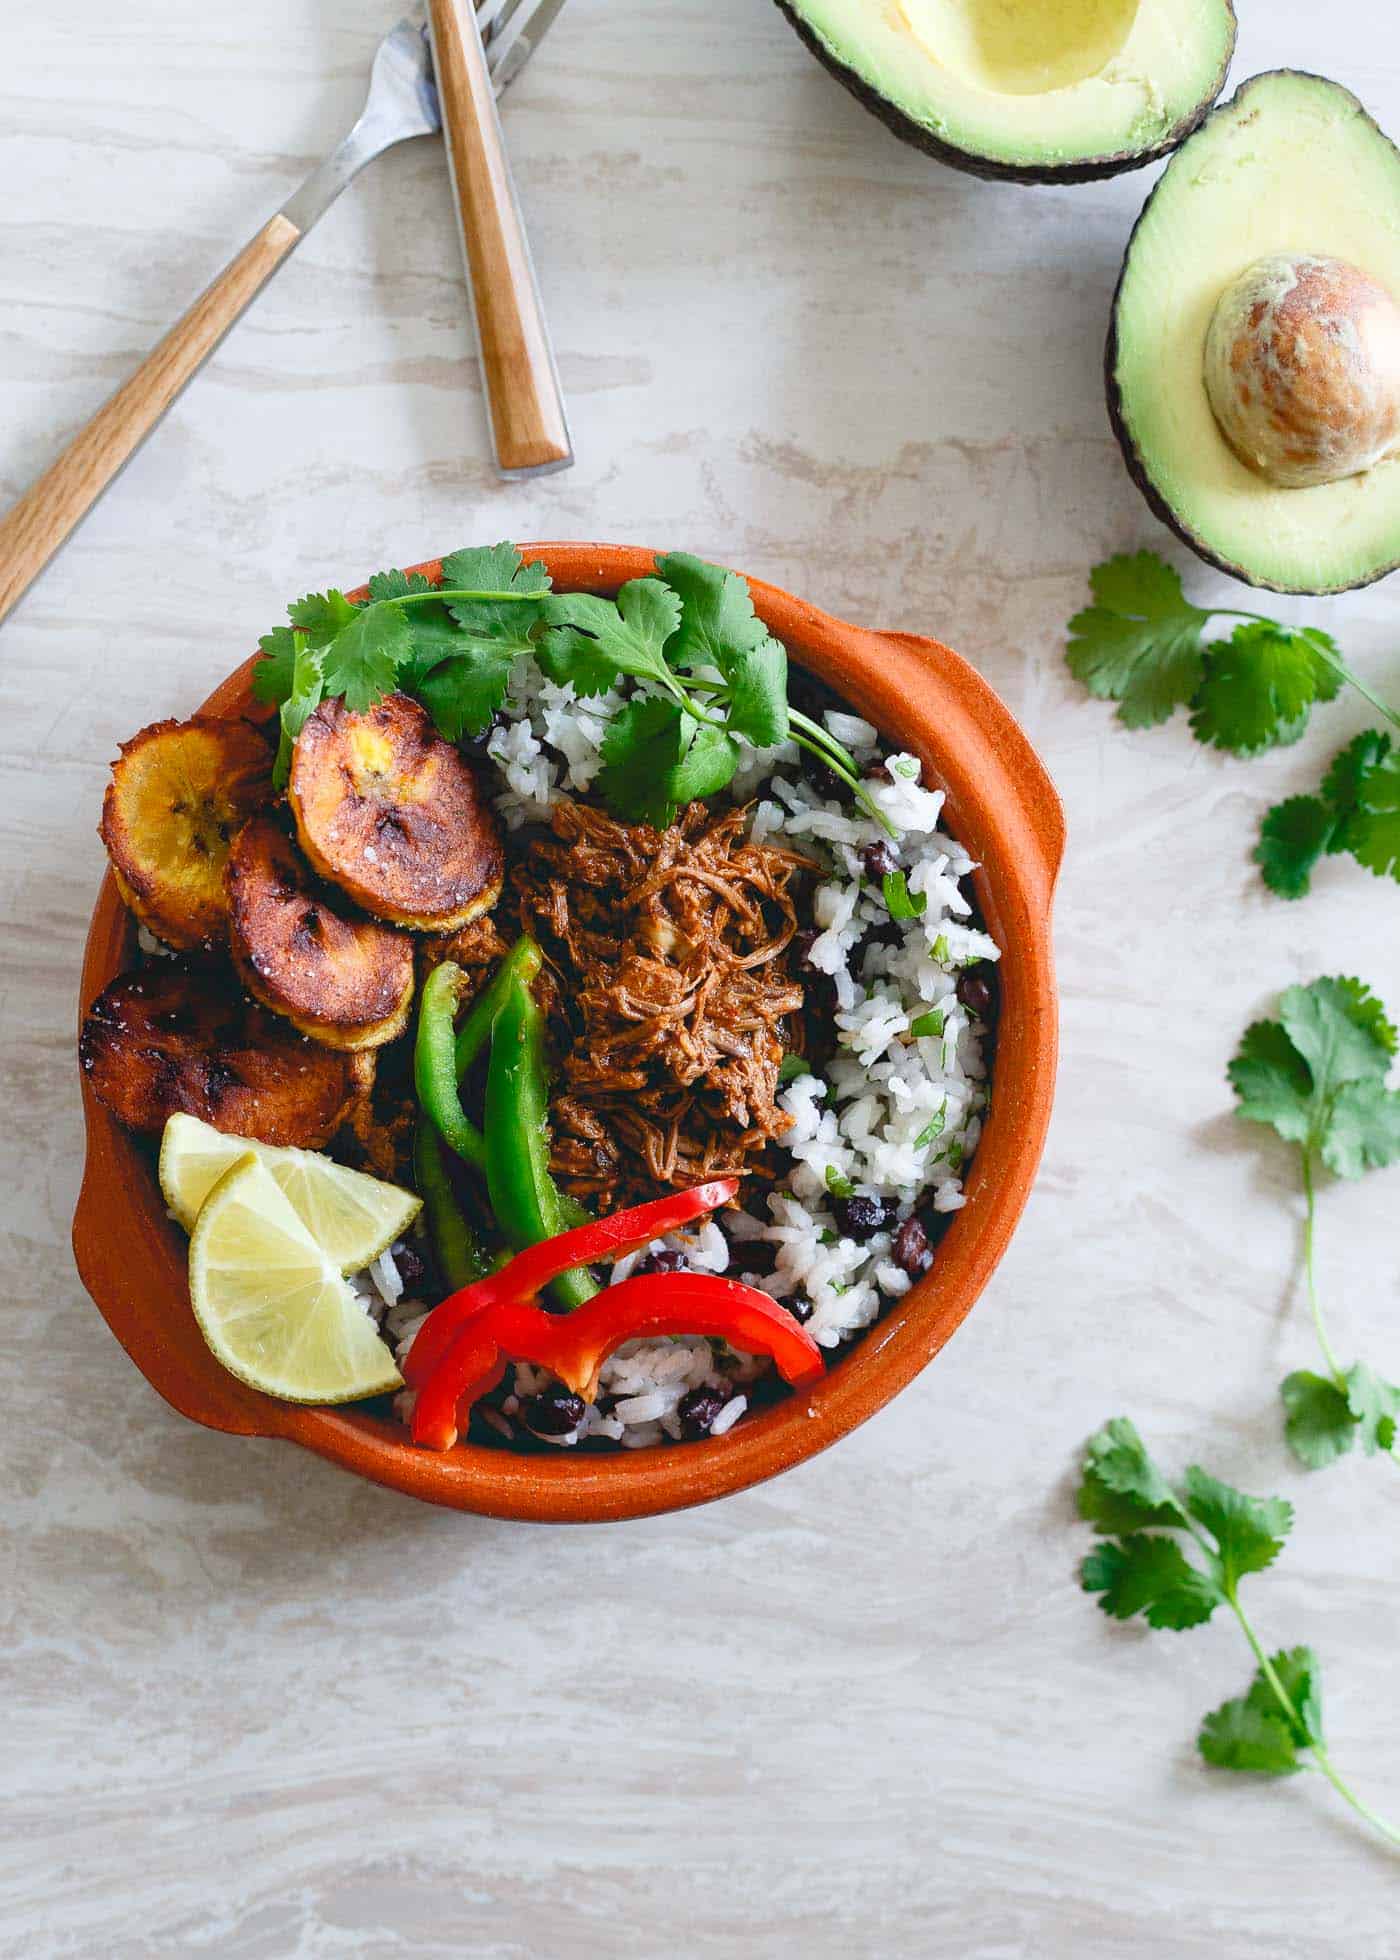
(894, 1116)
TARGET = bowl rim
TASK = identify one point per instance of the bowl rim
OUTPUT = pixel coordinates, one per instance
(1002, 807)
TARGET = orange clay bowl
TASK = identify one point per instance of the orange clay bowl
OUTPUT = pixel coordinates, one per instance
(1001, 805)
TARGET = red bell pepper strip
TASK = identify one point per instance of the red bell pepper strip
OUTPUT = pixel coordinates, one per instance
(531, 1271)
(574, 1346)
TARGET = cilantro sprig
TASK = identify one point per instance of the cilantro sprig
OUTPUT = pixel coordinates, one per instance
(1142, 644)
(700, 670)
(1356, 810)
(1174, 1557)
(1317, 1075)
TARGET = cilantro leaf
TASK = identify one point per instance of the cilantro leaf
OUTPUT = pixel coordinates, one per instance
(1370, 827)
(566, 654)
(464, 692)
(303, 698)
(1344, 785)
(1300, 1676)
(645, 740)
(719, 628)
(629, 633)
(1240, 1736)
(1358, 810)
(1249, 1532)
(492, 568)
(490, 632)
(1292, 837)
(1374, 1404)
(321, 615)
(1260, 1733)
(1139, 644)
(1121, 1488)
(709, 762)
(1259, 687)
(397, 585)
(758, 703)
(1273, 1082)
(272, 673)
(1363, 1133)
(1340, 1030)
(900, 902)
(1148, 1574)
(717, 616)
(1319, 1425)
(1317, 1075)
(362, 661)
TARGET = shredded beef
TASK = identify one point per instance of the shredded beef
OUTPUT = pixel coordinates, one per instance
(672, 994)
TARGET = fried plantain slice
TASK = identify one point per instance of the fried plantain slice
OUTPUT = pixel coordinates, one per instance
(395, 816)
(179, 791)
(165, 1038)
(340, 978)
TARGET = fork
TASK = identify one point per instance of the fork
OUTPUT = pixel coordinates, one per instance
(524, 402)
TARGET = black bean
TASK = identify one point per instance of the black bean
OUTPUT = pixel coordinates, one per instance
(553, 1413)
(861, 1217)
(977, 994)
(668, 1260)
(411, 1267)
(824, 781)
(698, 1410)
(879, 861)
(912, 1252)
(878, 771)
(802, 944)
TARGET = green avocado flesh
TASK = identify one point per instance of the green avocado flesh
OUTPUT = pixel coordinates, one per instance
(1029, 84)
(1292, 165)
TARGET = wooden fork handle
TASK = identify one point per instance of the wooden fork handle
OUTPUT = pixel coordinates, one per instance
(524, 402)
(50, 509)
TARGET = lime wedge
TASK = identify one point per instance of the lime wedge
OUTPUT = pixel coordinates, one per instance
(351, 1216)
(271, 1305)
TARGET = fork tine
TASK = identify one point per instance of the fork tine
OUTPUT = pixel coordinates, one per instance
(492, 15)
(511, 45)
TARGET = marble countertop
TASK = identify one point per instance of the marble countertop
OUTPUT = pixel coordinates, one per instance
(255, 1708)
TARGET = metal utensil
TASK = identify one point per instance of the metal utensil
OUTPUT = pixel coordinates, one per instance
(402, 103)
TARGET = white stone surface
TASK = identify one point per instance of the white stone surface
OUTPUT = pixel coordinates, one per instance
(254, 1708)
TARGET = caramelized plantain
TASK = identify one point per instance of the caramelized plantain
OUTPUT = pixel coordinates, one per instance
(166, 1039)
(342, 979)
(395, 816)
(179, 791)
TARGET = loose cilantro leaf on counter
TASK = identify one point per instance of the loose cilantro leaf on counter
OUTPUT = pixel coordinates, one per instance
(1317, 1076)
(1174, 1556)
(1259, 686)
(1141, 644)
(1357, 810)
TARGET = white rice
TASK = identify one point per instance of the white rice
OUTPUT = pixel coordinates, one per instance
(895, 1114)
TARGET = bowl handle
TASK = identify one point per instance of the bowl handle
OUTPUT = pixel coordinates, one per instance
(1027, 779)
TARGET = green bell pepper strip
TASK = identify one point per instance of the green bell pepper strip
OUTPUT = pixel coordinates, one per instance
(459, 1254)
(435, 1064)
(527, 1205)
(522, 962)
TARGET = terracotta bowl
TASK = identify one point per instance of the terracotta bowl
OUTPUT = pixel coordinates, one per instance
(1003, 807)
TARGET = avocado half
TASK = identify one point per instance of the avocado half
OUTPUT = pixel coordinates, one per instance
(1292, 164)
(1037, 91)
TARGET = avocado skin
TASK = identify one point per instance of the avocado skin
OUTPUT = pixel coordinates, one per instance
(1084, 170)
(1137, 469)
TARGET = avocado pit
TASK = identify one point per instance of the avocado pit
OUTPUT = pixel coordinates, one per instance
(1302, 369)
